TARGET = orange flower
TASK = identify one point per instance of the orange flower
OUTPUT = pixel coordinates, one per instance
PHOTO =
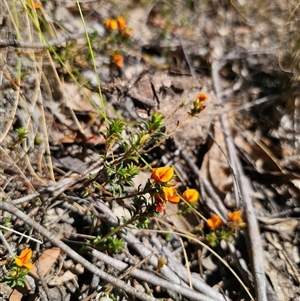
(37, 5)
(24, 258)
(118, 60)
(236, 218)
(199, 103)
(162, 174)
(34, 4)
(214, 222)
(111, 24)
(202, 96)
(171, 195)
(121, 24)
(191, 195)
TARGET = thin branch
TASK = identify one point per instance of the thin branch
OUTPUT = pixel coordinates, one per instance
(25, 199)
(142, 100)
(6, 245)
(243, 192)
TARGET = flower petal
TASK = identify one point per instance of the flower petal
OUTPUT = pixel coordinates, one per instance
(121, 23)
(118, 60)
(23, 259)
(162, 174)
(236, 219)
(191, 195)
(235, 216)
(202, 96)
(18, 261)
(111, 24)
(26, 255)
(28, 265)
(214, 222)
(174, 199)
(171, 195)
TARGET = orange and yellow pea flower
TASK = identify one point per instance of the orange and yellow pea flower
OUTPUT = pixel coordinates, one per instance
(202, 96)
(111, 24)
(118, 60)
(37, 5)
(171, 195)
(23, 260)
(34, 4)
(236, 218)
(214, 222)
(121, 24)
(162, 174)
(199, 103)
(191, 195)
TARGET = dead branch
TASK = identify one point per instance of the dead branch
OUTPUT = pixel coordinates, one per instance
(243, 192)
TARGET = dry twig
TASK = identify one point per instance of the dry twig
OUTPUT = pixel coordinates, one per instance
(243, 193)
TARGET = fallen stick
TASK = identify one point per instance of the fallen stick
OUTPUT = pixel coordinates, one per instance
(242, 191)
